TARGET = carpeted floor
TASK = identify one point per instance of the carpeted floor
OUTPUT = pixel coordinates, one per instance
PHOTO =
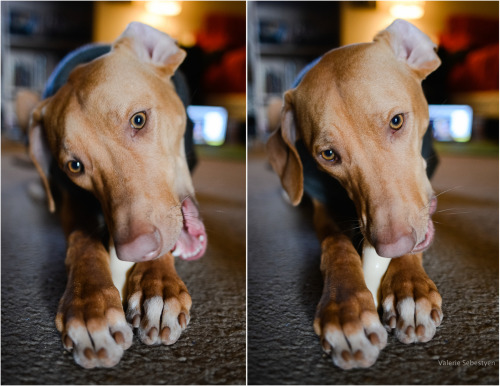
(284, 286)
(211, 350)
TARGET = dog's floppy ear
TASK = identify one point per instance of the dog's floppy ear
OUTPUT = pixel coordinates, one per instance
(411, 46)
(153, 46)
(283, 154)
(39, 150)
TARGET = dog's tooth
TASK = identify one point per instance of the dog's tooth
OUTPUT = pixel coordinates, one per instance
(176, 252)
(201, 238)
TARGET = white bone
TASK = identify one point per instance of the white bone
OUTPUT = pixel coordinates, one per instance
(119, 269)
(374, 268)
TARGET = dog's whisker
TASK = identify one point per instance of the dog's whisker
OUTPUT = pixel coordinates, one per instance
(346, 222)
(360, 243)
(445, 210)
(447, 190)
(436, 196)
(448, 213)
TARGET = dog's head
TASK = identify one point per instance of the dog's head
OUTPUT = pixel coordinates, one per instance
(116, 128)
(362, 115)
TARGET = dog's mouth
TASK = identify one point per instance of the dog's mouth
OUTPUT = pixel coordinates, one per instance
(192, 242)
(426, 242)
(429, 234)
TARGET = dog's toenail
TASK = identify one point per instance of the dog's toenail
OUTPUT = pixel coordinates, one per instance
(153, 333)
(165, 334)
(68, 343)
(435, 317)
(326, 346)
(346, 355)
(358, 355)
(392, 322)
(102, 353)
(420, 331)
(373, 337)
(182, 320)
(136, 321)
(89, 353)
(409, 331)
(118, 337)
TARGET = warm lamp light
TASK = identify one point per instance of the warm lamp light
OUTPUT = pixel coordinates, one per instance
(407, 10)
(165, 8)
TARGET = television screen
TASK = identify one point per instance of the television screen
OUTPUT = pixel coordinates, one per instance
(451, 123)
(210, 123)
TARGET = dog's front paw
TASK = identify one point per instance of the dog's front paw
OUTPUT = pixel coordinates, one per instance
(158, 302)
(411, 306)
(94, 328)
(351, 331)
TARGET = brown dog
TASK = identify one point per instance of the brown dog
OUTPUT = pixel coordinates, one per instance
(110, 150)
(360, 113)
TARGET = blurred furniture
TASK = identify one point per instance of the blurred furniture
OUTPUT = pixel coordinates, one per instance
(282, 40)
(35, 36)
(216, 69)
(469, 47)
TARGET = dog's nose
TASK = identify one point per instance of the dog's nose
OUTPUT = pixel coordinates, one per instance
(144, 247)
(397, 245)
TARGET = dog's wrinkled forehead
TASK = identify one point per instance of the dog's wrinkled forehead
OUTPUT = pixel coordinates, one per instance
(109, 91)
(356, 84)
(357, 71)
(389, 69)
(112, 80)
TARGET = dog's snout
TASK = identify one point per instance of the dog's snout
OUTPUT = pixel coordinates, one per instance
(143, 247)
(396, 243)
(398, 248)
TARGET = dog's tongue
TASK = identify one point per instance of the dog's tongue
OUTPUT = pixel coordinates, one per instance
(192, 242)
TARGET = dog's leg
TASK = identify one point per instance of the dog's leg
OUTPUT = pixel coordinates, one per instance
(346, 318)
(411, 301)
(158, 301)
(90, 316)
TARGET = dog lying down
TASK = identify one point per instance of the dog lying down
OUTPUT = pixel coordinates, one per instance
(109, 147)
(351, 137)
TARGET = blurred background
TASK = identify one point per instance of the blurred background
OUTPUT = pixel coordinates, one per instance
(284, 280)
(212, 350)
(282, 40)
(37, 35)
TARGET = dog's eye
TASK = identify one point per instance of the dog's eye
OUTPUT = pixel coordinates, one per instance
(138, 120)
(75, 166)
(329, 155)
(397, 122)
